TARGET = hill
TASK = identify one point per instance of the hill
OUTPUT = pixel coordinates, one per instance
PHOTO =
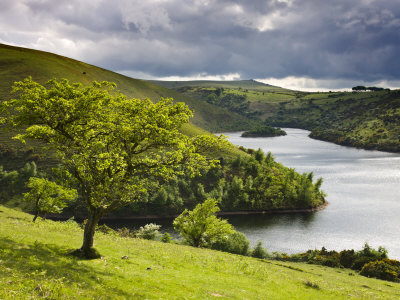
(18, 63)
(232, 185)
(34, 264)
(233, 84)
(369, 120)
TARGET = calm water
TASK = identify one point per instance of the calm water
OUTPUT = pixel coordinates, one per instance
(363, 190)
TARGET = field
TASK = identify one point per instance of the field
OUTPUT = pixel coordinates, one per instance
(34, 264)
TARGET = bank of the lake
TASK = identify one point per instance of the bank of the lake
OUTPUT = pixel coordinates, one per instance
(363, 195)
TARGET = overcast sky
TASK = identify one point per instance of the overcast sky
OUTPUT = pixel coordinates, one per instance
(300, 44)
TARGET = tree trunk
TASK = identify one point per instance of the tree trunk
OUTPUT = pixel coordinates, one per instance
(87, 249)
(35, 217)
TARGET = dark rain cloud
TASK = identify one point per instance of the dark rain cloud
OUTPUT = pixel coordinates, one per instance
(338, 39)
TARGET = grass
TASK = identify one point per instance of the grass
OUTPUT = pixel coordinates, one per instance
(34, 265)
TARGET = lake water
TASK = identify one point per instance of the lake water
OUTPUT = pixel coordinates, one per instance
(363, 189)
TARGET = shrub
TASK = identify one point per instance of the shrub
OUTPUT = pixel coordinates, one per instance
(359, 262)
(124, 232)
(166, 238)
(149, 232)
(235, 242)
(201, 227)
(259, 251)
(346, 258)
(104, 229)
(382, 269)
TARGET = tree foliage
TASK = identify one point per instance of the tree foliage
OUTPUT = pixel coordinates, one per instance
(48, 196)
(115, 149)
(201, 227)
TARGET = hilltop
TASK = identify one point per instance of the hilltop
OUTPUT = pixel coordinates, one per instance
(34, 264)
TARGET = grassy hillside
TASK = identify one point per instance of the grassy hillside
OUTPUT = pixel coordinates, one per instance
(368, 120)
(263, 99)
(18, 63)
(34, 265)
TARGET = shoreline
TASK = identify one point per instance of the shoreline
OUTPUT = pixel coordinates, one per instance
(221, 213)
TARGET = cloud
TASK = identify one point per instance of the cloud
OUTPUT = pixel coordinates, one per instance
(330, 41)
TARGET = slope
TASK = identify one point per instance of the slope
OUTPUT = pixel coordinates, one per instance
(34, 264)
(18, 63)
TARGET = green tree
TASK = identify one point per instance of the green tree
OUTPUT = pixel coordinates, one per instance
(113, 148)
(48, 196)
(201, 227)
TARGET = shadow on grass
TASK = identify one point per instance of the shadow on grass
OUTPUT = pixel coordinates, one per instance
(48, 261)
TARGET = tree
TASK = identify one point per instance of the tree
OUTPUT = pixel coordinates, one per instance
(200, 227)
(113, 148)
(48, 196)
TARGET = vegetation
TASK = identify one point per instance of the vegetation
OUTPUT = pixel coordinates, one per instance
(370, 262)
(34, 264)
(16, 63)
(13, 183)
(48, 196)
(200, 227)
(112, 147)
(264, 131)
(173, 196)
(367, 119)
(252, 182)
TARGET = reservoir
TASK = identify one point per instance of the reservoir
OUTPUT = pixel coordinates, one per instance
(362, 187)
(363, 191)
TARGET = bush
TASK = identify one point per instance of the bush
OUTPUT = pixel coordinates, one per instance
(201, 227)
(359, 262)
(149, 232)
(104, 229)
(259, 251)
(382, 269)
(166, 238)
(346, 258)
(235, 242)
(124, 232)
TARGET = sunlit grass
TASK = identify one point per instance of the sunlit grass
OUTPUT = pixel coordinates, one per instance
(34, 263)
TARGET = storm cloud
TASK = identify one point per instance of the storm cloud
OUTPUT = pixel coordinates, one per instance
(331, 41)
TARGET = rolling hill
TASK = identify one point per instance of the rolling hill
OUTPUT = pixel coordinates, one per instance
(369, 120)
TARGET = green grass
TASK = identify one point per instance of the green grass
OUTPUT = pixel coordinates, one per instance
(34, 265)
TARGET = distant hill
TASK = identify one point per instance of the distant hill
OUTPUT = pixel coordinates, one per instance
(369, 120)
(243, 84)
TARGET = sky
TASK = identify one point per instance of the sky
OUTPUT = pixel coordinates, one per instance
(299, 44)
